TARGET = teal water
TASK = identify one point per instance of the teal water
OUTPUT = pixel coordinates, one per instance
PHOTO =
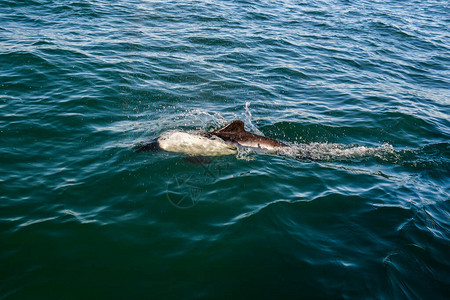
(360, 88)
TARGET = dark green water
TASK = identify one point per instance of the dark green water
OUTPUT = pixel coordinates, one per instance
(362, 87)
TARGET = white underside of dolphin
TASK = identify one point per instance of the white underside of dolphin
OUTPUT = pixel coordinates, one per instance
(194, 144)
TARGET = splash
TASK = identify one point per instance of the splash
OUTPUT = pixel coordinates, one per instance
(247, 116)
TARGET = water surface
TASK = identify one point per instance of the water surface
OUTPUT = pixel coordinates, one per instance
(357, 208)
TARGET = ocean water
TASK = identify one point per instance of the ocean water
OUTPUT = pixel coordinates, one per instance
(356, 208)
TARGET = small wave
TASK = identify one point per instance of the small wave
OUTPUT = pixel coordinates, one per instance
(429, 156)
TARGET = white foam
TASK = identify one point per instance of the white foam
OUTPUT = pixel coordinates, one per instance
(331, 151)
(194, 144)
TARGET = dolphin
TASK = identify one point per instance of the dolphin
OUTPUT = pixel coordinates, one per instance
(224, 141)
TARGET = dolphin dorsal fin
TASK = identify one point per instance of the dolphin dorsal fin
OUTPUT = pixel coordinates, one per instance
(235, 126)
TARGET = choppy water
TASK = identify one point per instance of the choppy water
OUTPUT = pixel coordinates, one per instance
(361, 87)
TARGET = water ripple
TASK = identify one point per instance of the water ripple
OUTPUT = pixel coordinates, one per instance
(359, 91)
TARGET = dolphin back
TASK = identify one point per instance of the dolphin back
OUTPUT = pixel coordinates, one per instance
(235, 133)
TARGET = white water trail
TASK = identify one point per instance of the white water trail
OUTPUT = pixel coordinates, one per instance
(333, 151)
